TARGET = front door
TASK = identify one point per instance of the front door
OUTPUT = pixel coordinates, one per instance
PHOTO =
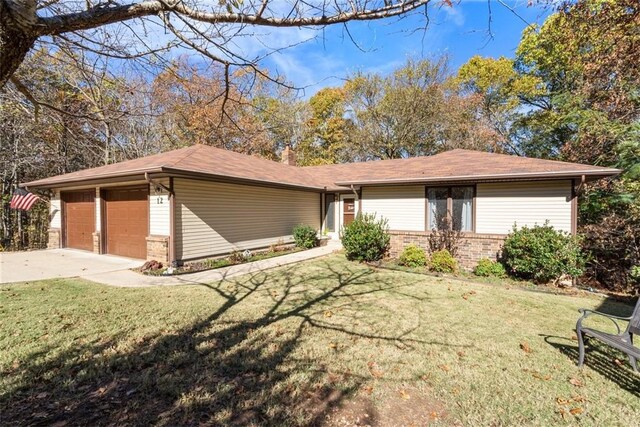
(349, 210)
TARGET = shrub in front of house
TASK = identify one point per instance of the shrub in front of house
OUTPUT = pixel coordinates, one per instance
(542, 253)
(413, 256)
(305, 236)
(489, 268)
(366, 238)
(443, 262)
(634, 274)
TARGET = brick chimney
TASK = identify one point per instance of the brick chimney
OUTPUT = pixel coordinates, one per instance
(288, 156)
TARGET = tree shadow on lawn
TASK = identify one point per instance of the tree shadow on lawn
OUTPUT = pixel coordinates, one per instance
(600, 357)
(212, 372)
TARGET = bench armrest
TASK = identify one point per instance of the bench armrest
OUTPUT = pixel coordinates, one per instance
(587, 312)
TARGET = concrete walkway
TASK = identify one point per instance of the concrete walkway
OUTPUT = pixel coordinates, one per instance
(131, 279)
(58, 263)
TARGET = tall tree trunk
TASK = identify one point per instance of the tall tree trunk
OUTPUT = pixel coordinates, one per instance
(17, 34)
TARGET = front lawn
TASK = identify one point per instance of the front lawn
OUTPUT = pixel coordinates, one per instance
(323, 342)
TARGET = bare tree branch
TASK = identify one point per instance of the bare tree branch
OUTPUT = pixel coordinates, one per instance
(99, 16)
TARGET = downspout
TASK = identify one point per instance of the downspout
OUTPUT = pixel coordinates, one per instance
(157, 185)
(353, 190)
(574, 213)
(583, 180)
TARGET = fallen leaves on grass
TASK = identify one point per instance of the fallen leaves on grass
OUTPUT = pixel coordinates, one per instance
(576, 382)
(466, 295)
(539, 376)
(576, 411)
(374, 371)
(567, 407)
(524, 346)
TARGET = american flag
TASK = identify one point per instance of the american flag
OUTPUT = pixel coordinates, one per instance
(22, 199)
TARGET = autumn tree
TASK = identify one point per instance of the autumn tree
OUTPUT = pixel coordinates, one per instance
(412, 112)
(326, 130)
(587, 56)
(282, 114)
(192, 110)
(501, 90)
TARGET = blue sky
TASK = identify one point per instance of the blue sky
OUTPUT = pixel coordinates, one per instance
(460, 32)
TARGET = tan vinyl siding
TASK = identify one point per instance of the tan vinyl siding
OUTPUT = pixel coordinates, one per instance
(500, 205)
(216, 218)
(159, 209)
(55, 211)
(402, 206)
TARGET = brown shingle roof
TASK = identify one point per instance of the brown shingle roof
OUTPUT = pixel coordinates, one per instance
(454, 165)
(196, 159)
(451, 166)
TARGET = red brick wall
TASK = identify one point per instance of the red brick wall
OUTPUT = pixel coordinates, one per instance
(471, 248)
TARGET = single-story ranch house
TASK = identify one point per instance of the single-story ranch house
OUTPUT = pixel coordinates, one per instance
(202, 201)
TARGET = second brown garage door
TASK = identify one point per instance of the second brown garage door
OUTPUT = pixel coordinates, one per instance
(127, 221)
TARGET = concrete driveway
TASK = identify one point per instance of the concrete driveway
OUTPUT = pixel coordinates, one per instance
(55, 263)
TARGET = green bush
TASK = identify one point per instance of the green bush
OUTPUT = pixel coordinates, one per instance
(542, 254)
(443, 262)
(634, 274)
(489, 268)
(366, 238)
(413, 256)
(305, 236)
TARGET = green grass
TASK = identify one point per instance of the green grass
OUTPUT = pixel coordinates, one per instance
(312, 343)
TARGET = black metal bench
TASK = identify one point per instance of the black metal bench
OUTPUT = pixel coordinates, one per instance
(622, 341)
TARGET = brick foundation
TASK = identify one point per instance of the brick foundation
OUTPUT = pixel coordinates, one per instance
(158, 248)
(471, 249)
(96, 242)
(55, 238)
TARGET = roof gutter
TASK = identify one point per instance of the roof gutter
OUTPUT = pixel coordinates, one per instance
(524, 175)
(46, 183)
(238, 179)
(146, 173)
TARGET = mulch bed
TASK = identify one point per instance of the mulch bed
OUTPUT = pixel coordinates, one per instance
(155, 268)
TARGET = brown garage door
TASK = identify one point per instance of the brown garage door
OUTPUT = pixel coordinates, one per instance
(79, 219)
(126, 220)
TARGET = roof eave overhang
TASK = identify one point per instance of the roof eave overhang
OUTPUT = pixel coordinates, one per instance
(159, 172)
(589, 176)
(129, 175)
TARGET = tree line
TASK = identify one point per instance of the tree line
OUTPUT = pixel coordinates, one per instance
(571, 92)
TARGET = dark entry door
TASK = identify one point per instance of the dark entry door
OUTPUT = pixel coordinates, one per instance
(349, 211)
